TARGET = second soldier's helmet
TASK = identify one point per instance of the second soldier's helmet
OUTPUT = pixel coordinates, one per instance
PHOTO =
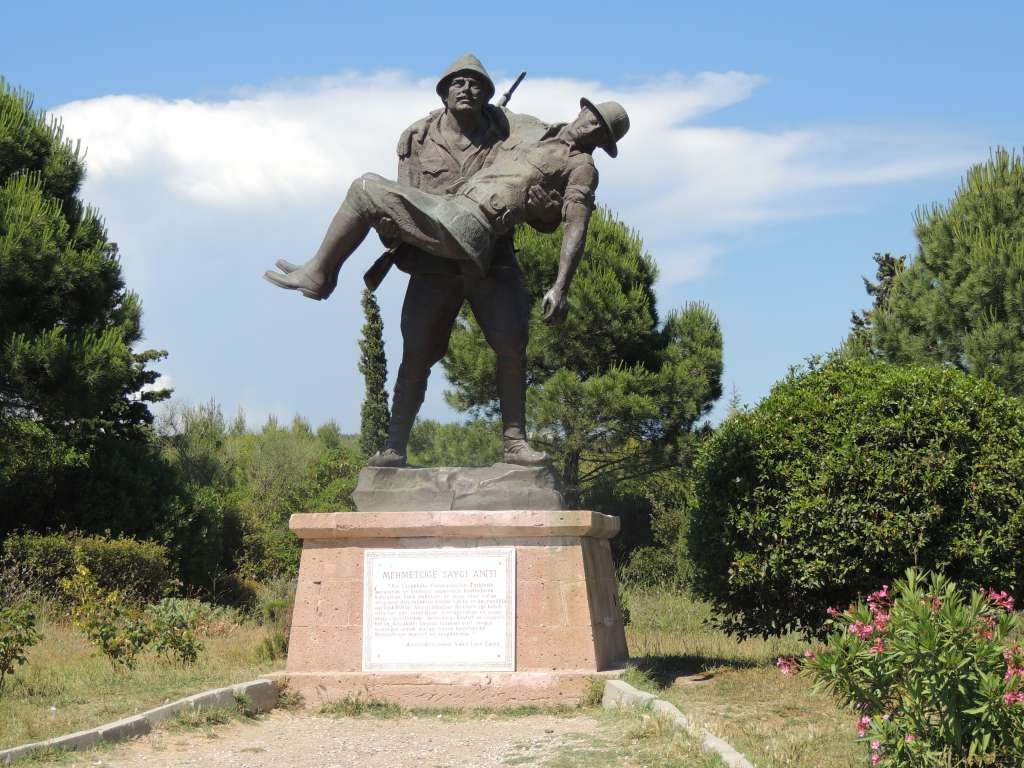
(465, 63)
(614, 119)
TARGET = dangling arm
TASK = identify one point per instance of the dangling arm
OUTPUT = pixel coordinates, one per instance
(576, 210)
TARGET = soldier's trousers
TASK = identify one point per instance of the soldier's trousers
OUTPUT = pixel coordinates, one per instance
(501, 305)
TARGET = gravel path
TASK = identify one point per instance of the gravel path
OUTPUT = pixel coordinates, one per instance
(287, 740)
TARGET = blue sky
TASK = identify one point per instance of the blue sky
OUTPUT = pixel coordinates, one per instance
(774, 148)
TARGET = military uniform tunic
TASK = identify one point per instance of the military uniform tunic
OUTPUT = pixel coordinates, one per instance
(438, 287)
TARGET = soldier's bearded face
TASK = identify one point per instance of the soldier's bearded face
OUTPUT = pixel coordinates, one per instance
(465, 93)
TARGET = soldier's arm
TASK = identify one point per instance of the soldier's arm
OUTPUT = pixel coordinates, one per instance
(576, 210)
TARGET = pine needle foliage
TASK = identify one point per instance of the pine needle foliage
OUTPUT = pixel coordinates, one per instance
(71, 384)
(373, 364)
(961, 301)
(615, 392)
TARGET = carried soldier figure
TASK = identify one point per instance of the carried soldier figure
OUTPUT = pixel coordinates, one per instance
(468, 175)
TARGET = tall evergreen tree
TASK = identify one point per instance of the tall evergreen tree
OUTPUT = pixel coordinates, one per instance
(614, 393)
(74, 412)
(960, 302)
(887, 268)
(373, 364)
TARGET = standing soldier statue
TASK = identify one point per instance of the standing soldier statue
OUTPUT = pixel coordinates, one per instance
(467, 175)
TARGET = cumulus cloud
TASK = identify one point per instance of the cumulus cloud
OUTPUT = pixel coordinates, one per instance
(204, 195)
(687, 187)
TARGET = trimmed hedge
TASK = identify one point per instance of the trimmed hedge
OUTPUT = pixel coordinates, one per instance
(138, 569)
(848, 474)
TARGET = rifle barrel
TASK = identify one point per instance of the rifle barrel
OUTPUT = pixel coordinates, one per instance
(507, 96)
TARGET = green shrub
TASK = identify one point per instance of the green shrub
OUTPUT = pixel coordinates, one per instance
(139, 570)
(115, 626)
(846, 475)
(276, 602)
(934, 673)
(174, 624)
(17, 634)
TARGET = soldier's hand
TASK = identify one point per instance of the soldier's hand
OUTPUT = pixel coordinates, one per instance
(554, 306)
(544, 205)
(388, 232)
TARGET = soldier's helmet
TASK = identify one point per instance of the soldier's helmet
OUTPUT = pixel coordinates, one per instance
(614, 119)
(465, 63)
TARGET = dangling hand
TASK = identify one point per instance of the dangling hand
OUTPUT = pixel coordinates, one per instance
(555, 306)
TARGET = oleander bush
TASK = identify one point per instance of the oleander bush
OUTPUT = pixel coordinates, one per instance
(139, 570)
(934, 673)
(845, 475)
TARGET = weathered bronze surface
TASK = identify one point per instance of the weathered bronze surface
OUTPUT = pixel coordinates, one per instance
(468, 174)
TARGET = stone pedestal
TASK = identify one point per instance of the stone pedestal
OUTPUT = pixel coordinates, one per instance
(494, 487)
(568, 622)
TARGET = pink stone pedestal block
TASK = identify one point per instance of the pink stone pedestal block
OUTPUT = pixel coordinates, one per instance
(568, 620)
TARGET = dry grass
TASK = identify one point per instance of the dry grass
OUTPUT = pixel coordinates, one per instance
(66, 687)
(776, 721)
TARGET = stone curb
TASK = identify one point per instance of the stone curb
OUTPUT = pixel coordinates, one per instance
(261, 696)
(620, 694)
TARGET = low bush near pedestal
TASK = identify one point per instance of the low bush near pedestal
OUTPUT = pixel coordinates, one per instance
(17, 634)
(935, 674)
(122, 630)
(846, 475)
(138, 569)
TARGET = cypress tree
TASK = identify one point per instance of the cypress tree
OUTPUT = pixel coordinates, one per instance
(373, 364)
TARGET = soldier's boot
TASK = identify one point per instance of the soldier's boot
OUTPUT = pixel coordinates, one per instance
(511, 381)
(518, 451)
(318, 277)
(406, 404)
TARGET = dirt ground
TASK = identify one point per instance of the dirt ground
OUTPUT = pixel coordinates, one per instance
(298, 740)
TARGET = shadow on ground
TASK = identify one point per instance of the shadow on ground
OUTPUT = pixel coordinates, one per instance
(663, 670)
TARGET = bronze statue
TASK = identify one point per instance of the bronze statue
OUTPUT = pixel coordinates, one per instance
(468, 175)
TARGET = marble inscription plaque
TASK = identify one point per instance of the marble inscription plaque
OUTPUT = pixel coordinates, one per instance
(439, 609)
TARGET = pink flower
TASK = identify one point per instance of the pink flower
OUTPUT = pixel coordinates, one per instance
(786, 664)
(832, 612)
(909, 738)
(1014, 697)
(809, 654)
(878, 646)
(861, 630)
(881, 621)
(875, 758)
(862, 725)
(1000, 599)
(876, 745)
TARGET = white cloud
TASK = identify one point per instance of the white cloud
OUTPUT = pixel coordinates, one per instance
(204, 195)
(688, 188)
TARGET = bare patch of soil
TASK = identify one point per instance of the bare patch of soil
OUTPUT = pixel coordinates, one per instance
(300, 740)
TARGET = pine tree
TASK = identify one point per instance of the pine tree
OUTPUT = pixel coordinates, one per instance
(373, 364)
(960, 302)
(613, 393)
(74, 416)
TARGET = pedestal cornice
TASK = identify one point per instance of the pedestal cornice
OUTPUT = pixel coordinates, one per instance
(457, 524)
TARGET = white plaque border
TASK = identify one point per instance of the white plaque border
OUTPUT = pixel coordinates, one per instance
(507, 665)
